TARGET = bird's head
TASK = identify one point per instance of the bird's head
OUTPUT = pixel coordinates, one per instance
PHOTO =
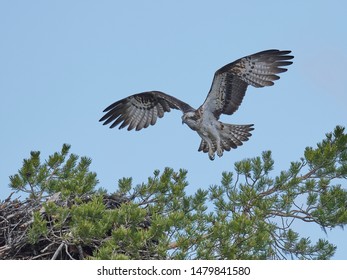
(190, 118)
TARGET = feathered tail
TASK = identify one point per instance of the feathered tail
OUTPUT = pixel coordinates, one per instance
(231, 136)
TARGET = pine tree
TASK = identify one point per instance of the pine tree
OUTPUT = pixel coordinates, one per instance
(249, 215)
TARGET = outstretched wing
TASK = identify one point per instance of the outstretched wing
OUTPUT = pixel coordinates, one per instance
(231, 81)
(141, 110)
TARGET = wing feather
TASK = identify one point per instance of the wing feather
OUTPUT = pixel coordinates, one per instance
(117, 121)
(121, 118)
(146, 120)
(155, 113)
(159, 110)
(137, 119)
(141, 110)
(142, 121)
(230, 82)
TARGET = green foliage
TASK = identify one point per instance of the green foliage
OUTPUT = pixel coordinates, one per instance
(250, 215)
(38, 228)
(60, 173)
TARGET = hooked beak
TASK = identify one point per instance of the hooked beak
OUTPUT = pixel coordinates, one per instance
(183, 120)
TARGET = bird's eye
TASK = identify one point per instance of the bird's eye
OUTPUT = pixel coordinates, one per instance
(191, 117)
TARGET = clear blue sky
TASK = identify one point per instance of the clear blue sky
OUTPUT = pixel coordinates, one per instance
(63, 62)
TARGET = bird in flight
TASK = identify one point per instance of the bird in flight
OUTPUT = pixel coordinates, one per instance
(228, 88)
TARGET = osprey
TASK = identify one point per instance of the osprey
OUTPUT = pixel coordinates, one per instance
(225, 96)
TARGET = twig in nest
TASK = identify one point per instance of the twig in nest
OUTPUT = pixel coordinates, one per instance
(58, 251)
